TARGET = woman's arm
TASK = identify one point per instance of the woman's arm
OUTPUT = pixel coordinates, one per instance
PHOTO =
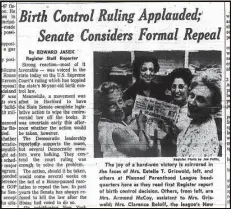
(126, 144)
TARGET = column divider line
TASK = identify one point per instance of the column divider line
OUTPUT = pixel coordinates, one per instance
(17, 102)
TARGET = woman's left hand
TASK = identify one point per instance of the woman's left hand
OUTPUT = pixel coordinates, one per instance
(141, 120)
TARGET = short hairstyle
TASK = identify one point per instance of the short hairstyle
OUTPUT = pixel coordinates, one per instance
(101, 94)
(212, 80)
(139, 61)
(183, 73)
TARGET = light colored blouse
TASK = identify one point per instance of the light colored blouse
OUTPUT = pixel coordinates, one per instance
(198, 140)
(106, 128)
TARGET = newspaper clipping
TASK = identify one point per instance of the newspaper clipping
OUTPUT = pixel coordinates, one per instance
(117, 104)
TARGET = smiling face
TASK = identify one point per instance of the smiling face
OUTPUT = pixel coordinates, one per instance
(200, 102)
(147, 72)
(179, 91)
(115, 106)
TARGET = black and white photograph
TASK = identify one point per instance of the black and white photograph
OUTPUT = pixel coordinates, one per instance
(157, 104)
(109, 104)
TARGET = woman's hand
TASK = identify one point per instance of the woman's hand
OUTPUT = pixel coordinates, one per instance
(166, 127)
(129, 103)
(128, 106)
(170, 128)
(175, 129)
(141, 120)
(156, 145)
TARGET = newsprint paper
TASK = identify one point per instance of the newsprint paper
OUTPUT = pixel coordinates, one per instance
(115, 104)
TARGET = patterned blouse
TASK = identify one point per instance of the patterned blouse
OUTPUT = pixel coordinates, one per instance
(198, 140)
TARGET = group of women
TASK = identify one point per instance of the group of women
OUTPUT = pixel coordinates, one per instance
(193, 135)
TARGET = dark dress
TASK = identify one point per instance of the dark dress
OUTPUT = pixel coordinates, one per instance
(157, 91)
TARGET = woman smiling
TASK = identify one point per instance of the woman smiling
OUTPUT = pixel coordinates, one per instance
(145, 68)
(179, 81)
(200, 138)
(115, 137)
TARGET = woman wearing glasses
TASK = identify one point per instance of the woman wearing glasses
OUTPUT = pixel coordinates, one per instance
(179, 81)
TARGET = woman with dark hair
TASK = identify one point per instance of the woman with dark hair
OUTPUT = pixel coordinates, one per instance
(179, 81)
(200, 138)
(115, 137)
(144, 70)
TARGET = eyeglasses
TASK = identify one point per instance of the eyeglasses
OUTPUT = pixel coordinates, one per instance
(180, 86)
